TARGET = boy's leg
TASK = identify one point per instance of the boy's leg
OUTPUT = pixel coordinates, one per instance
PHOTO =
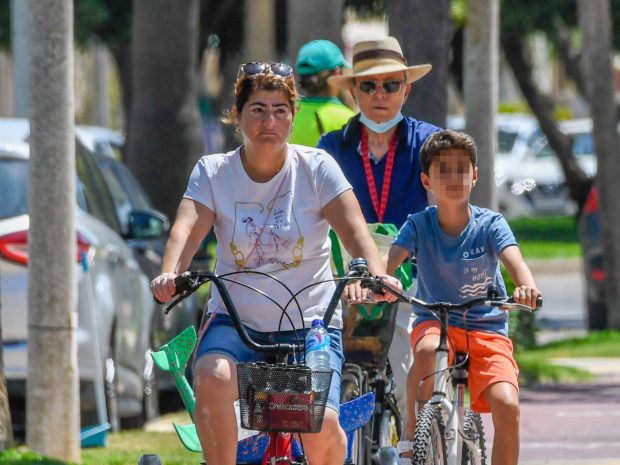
(503, 399)
(424, 341)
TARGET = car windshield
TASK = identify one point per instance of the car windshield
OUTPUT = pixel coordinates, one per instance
(582, 145)
(505, 141)
(13, 188)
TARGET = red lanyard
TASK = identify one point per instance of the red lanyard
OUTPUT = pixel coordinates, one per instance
(387, 174)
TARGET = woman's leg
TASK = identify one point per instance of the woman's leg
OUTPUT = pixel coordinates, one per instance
(216, 391)
(503, 399)
(330, 445)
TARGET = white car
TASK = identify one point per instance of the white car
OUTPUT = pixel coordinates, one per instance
(534, 183)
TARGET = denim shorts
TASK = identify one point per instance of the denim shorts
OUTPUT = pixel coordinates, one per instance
(221, 338)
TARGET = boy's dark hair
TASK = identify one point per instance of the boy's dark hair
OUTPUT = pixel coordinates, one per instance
(446, 139)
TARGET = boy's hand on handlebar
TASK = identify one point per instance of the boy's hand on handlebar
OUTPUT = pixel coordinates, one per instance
(391, 282)
(526, 295)
(163, 287)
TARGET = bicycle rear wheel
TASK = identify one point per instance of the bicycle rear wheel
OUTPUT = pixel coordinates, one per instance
(429, 441)
(473, 430)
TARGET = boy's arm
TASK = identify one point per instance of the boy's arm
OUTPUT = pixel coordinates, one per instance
(525, 291)
(395, 257)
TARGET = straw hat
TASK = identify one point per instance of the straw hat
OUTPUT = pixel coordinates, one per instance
(378, 56)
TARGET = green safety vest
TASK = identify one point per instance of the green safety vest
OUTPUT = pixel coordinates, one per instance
(317, 116)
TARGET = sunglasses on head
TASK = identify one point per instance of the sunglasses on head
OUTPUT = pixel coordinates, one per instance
(389, 87)
(254, 68)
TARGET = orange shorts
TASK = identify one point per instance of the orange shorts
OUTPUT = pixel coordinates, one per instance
(491, 360)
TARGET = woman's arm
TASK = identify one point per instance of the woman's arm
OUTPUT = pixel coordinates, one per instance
(193, 222)
(345, 217)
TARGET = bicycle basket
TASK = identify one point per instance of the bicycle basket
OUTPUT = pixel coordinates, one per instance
(282, 397)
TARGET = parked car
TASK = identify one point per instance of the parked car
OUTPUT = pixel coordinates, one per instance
(536, 181)
(124, 241)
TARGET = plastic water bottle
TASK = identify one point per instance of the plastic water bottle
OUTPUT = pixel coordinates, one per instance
(317, 347)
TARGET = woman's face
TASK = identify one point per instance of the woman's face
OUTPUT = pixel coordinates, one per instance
(266, 119)
(381, 106)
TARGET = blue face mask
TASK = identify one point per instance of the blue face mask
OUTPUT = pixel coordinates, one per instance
(380, 127)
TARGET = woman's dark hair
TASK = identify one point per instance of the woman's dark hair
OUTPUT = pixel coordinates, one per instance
(246, 86)
(446, 140)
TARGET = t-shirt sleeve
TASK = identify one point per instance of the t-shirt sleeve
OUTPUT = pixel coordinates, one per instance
(501, 234)
(407, 237)
(330, 180)
(199, 185)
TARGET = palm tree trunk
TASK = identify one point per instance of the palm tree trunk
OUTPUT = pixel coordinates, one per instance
(424, 30)
(480, 92)
(595, 24)
(165, 134)
(52, 415)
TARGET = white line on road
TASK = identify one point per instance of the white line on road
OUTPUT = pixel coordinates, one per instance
(567, 446)
(586, 413)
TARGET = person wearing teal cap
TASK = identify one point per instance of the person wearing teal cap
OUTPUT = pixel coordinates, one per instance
(320, 110)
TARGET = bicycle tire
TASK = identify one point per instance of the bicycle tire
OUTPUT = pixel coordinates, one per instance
(474, 429)
(429, 443)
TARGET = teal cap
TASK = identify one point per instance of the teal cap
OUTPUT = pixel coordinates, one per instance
(319, 55)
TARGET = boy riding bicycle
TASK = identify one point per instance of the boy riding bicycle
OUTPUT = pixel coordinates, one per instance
(458, 248)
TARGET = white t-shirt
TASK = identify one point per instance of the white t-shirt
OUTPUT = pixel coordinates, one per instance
(274, 227)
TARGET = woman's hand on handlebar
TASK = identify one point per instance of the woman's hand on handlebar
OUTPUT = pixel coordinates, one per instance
(526, 295)
(163, 287)
(355, 294)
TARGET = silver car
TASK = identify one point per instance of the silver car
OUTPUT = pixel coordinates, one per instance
(113, 289)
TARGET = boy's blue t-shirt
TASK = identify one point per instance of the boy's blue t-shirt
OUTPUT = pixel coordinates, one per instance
(459, 268)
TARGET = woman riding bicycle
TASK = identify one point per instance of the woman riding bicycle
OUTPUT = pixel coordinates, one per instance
(271, 205)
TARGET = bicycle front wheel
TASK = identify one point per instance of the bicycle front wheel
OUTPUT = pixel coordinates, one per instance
(474, 448)
(429, 444)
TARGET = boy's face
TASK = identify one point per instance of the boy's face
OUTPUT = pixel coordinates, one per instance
(451, 176)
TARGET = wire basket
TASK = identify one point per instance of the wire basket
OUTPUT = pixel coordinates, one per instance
(282, 397)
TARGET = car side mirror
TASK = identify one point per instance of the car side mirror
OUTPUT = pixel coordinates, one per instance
(146, 225)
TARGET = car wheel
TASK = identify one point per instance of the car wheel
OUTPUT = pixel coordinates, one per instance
(150, 397)
(111, 391)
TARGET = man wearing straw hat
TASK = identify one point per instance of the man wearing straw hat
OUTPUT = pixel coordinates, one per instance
(378, 152)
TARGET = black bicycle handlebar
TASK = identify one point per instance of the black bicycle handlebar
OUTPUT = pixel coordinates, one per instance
(491, 300)
(188, 282)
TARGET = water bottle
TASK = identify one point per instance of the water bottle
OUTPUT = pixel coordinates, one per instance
(317, 347)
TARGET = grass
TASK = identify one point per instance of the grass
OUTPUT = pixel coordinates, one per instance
(537, 367)
(123, 448)
(554, 237)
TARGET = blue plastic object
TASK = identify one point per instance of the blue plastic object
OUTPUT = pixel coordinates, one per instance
(95, 436)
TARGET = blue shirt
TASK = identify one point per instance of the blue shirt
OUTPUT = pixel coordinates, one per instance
(407, 194)
(459, 268)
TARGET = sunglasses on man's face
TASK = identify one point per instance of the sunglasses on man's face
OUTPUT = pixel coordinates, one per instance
(254, 68)
(389, 87)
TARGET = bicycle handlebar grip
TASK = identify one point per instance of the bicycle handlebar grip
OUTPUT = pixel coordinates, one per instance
(539, 302)
(182, 283)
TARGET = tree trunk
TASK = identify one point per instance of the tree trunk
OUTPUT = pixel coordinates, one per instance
(424, 30)
(52, 416)
(165, 135)
(514, 50)
(480, 92)
(318, 19)
(596, 28)
(6, 429)
(122, 57)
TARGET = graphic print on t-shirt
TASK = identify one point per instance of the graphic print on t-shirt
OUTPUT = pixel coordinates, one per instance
(476, 276)
(267, 235)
